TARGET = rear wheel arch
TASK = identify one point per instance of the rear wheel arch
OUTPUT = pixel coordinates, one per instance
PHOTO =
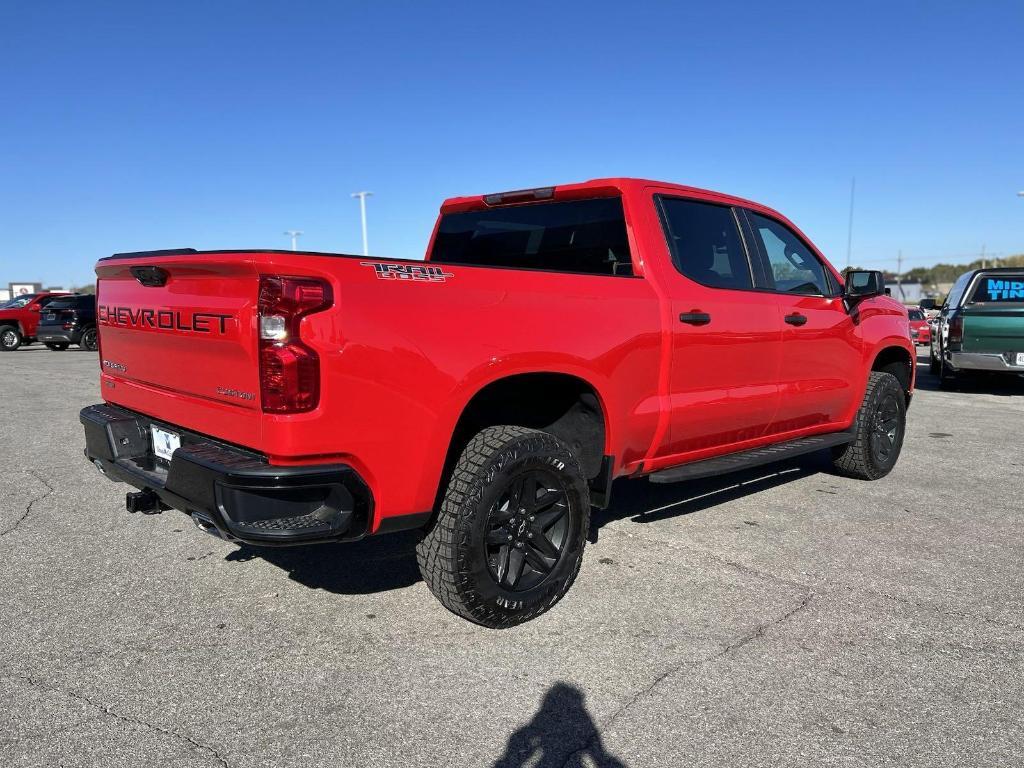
(560, 404)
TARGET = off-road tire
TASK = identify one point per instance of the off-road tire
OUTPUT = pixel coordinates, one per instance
(933, 361)
(90, 340)
(55, 346)
(453, 554)
(10, 338)
(861, 458)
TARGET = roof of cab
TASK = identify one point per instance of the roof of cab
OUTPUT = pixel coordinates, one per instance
(611, 185)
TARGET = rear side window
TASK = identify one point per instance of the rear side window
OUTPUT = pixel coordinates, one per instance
(583, 236)
(705, 243)
(999, 289)
(793, 267)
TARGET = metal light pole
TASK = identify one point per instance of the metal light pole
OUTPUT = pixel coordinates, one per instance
(362, 212)
(849, 230)
(294, 235)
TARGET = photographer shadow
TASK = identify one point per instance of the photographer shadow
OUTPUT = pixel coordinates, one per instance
(561, 733)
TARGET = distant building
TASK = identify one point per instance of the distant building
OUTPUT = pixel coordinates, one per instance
(906, 292)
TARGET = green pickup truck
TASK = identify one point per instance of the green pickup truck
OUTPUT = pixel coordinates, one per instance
(981, 325)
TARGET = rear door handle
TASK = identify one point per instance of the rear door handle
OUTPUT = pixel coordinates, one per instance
(695, 318)
(796, 319)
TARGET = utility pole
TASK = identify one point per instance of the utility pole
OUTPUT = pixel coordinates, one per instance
(899, 273)
(294, 235)
(983, 262)
(849, 230)
(362, 213)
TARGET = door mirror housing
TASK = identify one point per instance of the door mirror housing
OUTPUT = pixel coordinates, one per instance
(864, 284)
(35, 308)
(927, 304)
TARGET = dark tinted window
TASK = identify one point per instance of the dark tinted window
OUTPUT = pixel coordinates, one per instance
(72, 302)
(957, 291)
(586, 236)
(999, 289)
(915, 314)
(705, 243)
(793, 267)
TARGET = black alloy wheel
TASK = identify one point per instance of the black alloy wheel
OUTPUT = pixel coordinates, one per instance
(887, 430)
(527, 529)
(89, 340)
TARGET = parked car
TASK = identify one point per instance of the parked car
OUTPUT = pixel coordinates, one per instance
(920, 333)
(981, 325)
(20, 316)
(553, 340)
(69, 320)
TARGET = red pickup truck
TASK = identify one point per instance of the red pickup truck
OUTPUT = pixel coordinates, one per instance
(19, 318)
(552, 340)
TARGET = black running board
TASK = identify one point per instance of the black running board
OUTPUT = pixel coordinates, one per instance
(733, 462)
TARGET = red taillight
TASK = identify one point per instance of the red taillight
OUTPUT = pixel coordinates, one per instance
(956, 331)
(289, 370)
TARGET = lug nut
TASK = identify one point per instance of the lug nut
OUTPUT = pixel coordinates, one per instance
(529, 535)
(510, 537)
(531, 518)
(519, 545)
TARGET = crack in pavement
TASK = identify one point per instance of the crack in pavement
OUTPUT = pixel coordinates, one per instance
(756, 633)
(126, 718)
(28, 507)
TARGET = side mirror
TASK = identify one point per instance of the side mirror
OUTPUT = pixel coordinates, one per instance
(864, 283)
(927, 304)
(35, 308)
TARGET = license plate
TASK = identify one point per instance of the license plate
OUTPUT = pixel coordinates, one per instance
(1020, 358)
(165, 443)
(49, 316)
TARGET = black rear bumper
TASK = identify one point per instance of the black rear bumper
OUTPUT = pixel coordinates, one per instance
(228, 490)
(50, 335)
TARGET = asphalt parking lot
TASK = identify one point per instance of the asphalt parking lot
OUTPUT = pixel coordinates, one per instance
(784, 616)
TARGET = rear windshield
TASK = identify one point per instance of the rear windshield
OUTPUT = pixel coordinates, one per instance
(999, 289)
(72, 302)
(584, 236)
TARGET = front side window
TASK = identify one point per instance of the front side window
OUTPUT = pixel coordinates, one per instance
(705, 243)
(582, 236)
(957, 291)
(999, 289)
(792, 265)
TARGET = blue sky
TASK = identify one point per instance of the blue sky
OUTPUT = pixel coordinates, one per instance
(127, 126)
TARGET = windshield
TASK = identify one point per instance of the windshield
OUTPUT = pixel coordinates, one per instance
(916, 314)
(17, 302)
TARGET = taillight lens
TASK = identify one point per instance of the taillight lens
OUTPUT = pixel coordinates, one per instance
(289, 369)
(956, 331)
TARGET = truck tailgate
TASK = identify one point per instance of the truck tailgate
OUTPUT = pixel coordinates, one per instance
(182, 326)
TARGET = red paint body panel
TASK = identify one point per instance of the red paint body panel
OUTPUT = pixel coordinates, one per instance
(26, 318)
(401, 358)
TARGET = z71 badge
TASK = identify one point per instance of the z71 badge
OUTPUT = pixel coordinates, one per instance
(420, 272)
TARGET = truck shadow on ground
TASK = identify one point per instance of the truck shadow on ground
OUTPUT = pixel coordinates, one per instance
(561, 733)
(975, 383)
(645, 502)
(383, 563)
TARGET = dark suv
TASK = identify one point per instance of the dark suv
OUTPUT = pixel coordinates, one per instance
(69, 320)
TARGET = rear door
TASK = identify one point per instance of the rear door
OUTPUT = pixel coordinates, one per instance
(726, 335)
(820, 345)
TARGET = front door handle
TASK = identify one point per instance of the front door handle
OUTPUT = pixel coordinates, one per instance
(796, 319)
(695, 318)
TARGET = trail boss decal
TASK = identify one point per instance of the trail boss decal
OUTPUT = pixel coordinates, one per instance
(420, 272)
